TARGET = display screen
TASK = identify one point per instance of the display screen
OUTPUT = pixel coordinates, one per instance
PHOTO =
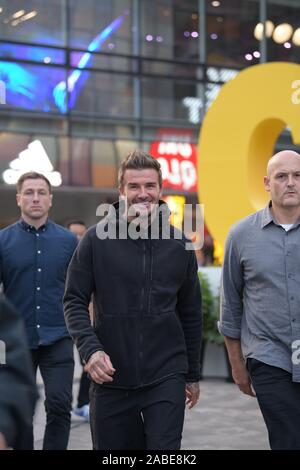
(42, 88)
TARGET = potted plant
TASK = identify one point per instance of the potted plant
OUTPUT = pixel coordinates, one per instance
(210, 311)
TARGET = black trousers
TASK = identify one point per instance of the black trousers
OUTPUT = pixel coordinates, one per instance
(84, 387)
(279, 400)
(56, 365)
(147, 418)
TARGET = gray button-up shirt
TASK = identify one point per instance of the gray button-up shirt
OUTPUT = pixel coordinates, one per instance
(260, 295)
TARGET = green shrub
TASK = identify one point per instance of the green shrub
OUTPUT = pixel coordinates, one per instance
(210, 310)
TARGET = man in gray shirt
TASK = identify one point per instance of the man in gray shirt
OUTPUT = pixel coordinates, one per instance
(260, 302)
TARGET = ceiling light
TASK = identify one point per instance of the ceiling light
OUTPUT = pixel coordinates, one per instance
(282, 33)
(28, 16)
(258, 30)
(296, 37)
(287, 45)
(216, 3)
(18, 14)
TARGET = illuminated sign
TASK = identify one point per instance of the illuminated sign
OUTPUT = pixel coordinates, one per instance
(178, 164)
(34, 158)
(237, 138)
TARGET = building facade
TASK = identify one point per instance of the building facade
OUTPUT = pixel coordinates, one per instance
(84, 83)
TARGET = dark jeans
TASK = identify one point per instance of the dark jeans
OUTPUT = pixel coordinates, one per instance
(279, 401)
(147, 418)
(56, 365)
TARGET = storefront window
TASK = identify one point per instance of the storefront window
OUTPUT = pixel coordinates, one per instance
(103, 94)
(229, 32)
(101, 25)
(35, 21)
(172, 100)
(156, 29)
(284, 32)
(104, 164)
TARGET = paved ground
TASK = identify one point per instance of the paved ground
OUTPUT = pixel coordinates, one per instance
(223, 419)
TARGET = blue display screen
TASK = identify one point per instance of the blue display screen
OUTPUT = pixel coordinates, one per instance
(47, 89)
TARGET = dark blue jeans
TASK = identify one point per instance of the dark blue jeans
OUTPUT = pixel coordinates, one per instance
(279, 400)
(56, 364)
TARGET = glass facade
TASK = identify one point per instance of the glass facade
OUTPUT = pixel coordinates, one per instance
(92, 80)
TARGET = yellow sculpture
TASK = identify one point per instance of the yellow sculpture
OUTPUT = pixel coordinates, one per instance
(237, 138)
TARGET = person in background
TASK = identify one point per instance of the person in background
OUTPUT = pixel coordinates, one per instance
(143, 351)
(260, 299)
(18, 391)
(34, 257)
(79, 228)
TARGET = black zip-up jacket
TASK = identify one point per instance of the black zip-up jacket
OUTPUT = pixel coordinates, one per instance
(147, 305)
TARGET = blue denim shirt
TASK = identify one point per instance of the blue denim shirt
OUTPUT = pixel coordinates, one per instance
(33, 265)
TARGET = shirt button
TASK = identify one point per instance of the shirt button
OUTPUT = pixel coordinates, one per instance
(292, 298)
(38, 326)
(37, 234)
(39, 270)
(38, 288)
(38, 307)
(39, 252)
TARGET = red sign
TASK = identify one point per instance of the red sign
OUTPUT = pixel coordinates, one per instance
(178, 164)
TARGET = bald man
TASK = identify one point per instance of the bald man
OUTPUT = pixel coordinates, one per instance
(260, 302)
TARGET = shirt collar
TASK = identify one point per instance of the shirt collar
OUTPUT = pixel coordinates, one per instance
(31, 228)
(267, 217)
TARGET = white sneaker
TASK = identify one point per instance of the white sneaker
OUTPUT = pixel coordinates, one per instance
(83, 411)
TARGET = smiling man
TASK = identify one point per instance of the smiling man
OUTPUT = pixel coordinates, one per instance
(143, 353)
(260, 299)
(34, 256)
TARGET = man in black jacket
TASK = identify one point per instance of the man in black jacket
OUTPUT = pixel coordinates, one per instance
(143, 354)
(17, 383)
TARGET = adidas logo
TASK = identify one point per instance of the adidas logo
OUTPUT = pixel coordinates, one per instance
(34, 158)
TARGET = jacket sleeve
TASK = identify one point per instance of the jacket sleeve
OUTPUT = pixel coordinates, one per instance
(190, 314)
(232, 285)
(18, 391)
(78, 292)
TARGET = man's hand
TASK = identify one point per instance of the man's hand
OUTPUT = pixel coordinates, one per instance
(242, 379)
(192, 392)
(100, 368)
(3, 445)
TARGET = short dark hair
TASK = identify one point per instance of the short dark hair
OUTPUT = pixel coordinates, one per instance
(139, 160)
(75, 221)
(32, 175)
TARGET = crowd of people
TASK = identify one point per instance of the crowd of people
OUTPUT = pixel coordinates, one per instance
(129, 298)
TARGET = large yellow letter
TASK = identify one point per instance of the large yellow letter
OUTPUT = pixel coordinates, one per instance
(237, 138)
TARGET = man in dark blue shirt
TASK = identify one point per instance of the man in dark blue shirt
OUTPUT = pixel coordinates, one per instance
(34, 256)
